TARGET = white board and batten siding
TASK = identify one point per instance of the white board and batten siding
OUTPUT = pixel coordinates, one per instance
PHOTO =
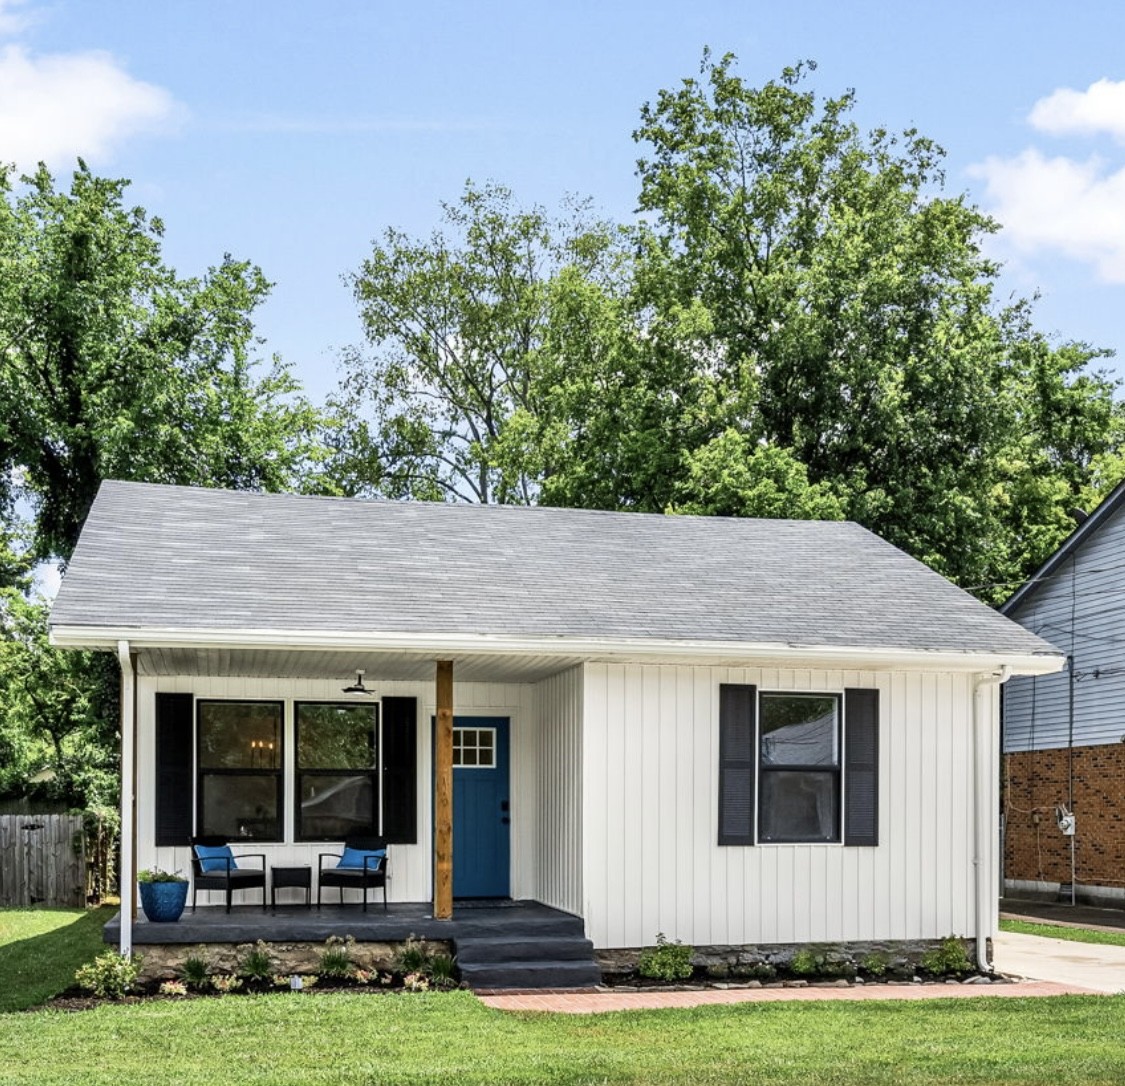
(1081, 610)
(650, 861)
(559, 869)
(410, 865)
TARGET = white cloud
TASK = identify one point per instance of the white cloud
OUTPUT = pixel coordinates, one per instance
(54, 107)
(1100, 108)
(1062, 205)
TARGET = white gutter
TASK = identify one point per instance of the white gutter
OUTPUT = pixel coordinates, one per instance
(126, 874)
(449, 645)
(983, 883)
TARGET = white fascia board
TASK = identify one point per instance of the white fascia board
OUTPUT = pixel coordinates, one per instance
(633, 649)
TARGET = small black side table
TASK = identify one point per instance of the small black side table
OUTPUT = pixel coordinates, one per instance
(291, 876)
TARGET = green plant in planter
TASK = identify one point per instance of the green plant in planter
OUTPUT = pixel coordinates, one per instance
(109, 975)
(154, 874)
(163, 894)
(666, 961)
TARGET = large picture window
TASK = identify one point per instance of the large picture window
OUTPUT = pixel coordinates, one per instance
(240, 769)
(798, 767)
(337, 770)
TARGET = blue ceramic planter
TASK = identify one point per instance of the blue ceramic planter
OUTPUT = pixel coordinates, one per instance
(163, 901)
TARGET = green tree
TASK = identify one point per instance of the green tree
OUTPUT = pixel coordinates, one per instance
(451, 401)
(846, 316)
(112, 366)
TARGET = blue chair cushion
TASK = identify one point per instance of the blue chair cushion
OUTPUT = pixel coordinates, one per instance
(354, 857)
(213, 858)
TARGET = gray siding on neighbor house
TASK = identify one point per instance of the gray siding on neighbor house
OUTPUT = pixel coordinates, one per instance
(1080, 608)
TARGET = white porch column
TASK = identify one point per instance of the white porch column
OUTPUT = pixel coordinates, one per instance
(126, 875)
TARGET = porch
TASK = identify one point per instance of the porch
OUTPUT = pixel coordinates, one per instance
(510, 944)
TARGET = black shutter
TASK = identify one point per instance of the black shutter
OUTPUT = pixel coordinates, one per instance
(861, 767)
(400, 771)
(737, 708)
(173, 768)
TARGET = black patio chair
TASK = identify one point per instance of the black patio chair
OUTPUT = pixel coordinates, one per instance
(370, 874)
(225, 874)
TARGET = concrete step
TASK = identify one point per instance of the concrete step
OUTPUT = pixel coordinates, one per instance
(531, 974)
(524, 949)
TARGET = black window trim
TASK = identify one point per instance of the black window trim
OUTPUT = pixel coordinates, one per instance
(200, 771)
(837, 770)
(375, 773)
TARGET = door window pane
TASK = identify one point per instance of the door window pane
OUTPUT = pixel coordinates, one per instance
(474, 748)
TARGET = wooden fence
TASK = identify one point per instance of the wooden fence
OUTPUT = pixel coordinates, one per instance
(42, 860)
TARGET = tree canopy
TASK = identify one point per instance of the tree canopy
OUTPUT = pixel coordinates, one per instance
(802, 322)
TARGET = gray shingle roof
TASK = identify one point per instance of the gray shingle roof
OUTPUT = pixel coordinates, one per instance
(160, 556)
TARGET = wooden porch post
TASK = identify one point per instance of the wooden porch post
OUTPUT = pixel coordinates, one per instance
(443, 794)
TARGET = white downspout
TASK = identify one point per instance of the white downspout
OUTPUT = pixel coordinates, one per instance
(982, 825)
(126, 874)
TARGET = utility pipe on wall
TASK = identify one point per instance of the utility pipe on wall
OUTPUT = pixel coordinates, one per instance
(982, 825)
(126, 874)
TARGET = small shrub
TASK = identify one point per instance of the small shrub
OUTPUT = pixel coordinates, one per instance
(109, 975)
(336, 959)
(948, 958)
(224, 983)
(193, 972)
(413, 956)
(874, 964)
(416, 982)
(666, 961)
(256, 963)
(363, 976)
(309, 980)
(281, 980)
(173, 988)
(442, 972)
(805, 962)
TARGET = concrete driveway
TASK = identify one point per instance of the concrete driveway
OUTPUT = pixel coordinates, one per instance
(1082, 965)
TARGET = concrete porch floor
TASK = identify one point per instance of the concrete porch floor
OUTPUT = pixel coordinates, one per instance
(296, 923)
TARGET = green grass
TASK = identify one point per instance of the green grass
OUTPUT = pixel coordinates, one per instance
(1055, 931)
(367, 1039)
(40, 950)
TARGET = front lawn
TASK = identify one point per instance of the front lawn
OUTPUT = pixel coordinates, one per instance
(368, 1039)
(41, 948)
(1057, 931)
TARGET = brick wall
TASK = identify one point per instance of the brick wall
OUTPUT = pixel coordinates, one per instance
(1037, 779)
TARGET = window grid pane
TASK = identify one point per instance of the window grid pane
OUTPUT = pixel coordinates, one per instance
(474, 748)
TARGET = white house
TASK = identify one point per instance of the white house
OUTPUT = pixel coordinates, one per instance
(729, 731)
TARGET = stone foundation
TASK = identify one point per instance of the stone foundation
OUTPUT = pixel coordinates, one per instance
(895, 959)
(162, 961)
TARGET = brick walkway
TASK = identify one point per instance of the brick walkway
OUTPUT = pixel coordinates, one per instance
(600, 1001)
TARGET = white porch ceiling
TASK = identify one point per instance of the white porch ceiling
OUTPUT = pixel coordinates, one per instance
(321, 664)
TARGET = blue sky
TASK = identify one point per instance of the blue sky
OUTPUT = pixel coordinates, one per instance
(294, 133)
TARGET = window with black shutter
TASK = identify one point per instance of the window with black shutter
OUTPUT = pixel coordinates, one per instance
(798, 767)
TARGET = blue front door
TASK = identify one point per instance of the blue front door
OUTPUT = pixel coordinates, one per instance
(481, 819)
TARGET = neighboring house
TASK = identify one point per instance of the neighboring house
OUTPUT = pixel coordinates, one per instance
(1064, 734)
(730, 731)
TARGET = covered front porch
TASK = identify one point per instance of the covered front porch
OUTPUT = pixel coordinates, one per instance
(194, 709)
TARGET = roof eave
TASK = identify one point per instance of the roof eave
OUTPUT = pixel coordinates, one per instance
(440, 644)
